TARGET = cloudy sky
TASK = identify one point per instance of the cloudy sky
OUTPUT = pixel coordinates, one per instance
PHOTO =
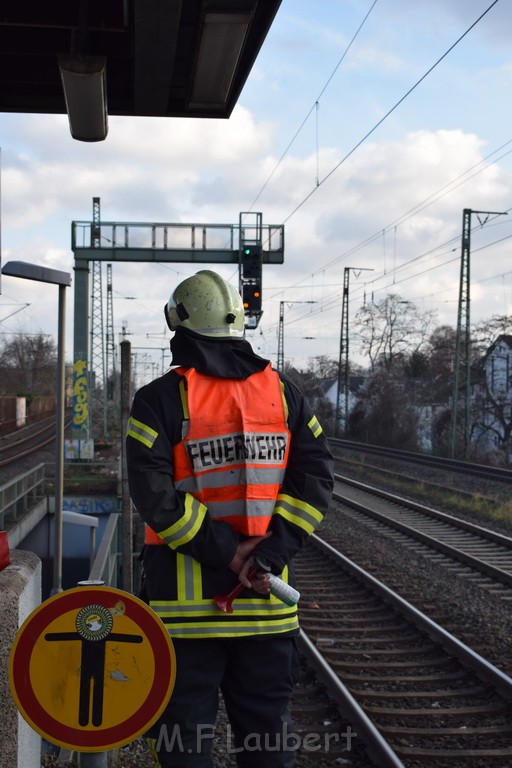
(365, 128)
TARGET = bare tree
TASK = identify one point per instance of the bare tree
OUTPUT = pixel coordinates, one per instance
(310, 382)
(485, 333)
(385, 413)
(440, 352)
(392, 329)
(323, 367)
(491, 405)
(28, 365)
(492, 418)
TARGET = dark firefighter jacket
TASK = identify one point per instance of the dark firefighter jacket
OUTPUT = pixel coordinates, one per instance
(182, 576)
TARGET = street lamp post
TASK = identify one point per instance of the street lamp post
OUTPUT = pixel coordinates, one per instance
(63, 280)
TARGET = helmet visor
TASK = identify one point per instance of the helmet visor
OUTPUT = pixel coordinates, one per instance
(171, 315)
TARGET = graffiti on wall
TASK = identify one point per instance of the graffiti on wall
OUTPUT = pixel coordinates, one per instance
(90, 505)
(80, 396)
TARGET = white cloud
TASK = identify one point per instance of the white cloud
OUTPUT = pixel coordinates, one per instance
(430, 150)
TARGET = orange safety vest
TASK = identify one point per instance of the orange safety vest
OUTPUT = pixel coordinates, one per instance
(235, 447)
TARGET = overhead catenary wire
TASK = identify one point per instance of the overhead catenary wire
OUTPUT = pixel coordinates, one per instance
(444, 190)
(334, 302)
(314, 106)
(431, 252)
(388, 113)
(450, 186)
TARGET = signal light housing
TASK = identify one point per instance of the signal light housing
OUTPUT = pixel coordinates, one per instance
(251, 295)
(250, 280)
(251, 262)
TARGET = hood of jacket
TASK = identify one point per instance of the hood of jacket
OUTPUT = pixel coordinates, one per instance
(224, 358)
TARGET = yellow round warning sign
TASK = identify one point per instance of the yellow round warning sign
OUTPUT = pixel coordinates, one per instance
(92, 668)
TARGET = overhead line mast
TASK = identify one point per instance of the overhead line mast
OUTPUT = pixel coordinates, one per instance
(343, 372)
(462, 363)
(97, 386)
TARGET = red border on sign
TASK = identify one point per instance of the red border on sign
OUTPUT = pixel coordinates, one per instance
(149, 709)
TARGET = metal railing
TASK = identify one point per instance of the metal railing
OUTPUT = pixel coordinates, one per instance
(104, 570)
(165, 241)
(19, 495)
(105, 567)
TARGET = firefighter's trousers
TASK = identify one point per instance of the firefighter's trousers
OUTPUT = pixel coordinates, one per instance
(256, 677)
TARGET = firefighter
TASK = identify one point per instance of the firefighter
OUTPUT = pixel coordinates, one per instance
(231, 472)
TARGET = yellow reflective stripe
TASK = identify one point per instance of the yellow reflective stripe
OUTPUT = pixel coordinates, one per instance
(197, 578)
(298, 512)
(184, 398)
(173, 609)
(285, 404)
(181, 578)
(315, 426)
(141, 432)
(188, 578)
(191, 616)
(187, 526)
(231, 628)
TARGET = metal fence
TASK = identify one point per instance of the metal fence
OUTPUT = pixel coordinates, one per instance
(21, 494)
(105, 567)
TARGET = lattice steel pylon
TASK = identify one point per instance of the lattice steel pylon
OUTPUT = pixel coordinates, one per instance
(110, 349)
(97, 385)
(343, 361)
(460, 433)
(280, 336)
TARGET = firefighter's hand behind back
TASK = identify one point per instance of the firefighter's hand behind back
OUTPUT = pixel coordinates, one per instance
(244, 550)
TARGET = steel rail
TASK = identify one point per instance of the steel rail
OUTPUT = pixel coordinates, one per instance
(452, 465)
(494, 572)
(356, 704)
(29, 451)
(377, 747)
(483, 668)
(478, 530)
(27, 438)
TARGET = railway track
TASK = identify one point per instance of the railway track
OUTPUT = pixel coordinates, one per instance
(414, 693)
(467, 549)
(426, 460)
(388, 723)
(21, 445)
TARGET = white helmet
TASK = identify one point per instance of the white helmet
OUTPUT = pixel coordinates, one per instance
(207, 304)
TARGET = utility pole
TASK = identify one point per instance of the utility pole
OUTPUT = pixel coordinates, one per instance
(343, 355)
(126, 503)
(110, 347)
(280, 336)
(97, 340)
(462, 363)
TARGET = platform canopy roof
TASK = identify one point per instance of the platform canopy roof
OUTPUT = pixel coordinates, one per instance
(166, 58)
